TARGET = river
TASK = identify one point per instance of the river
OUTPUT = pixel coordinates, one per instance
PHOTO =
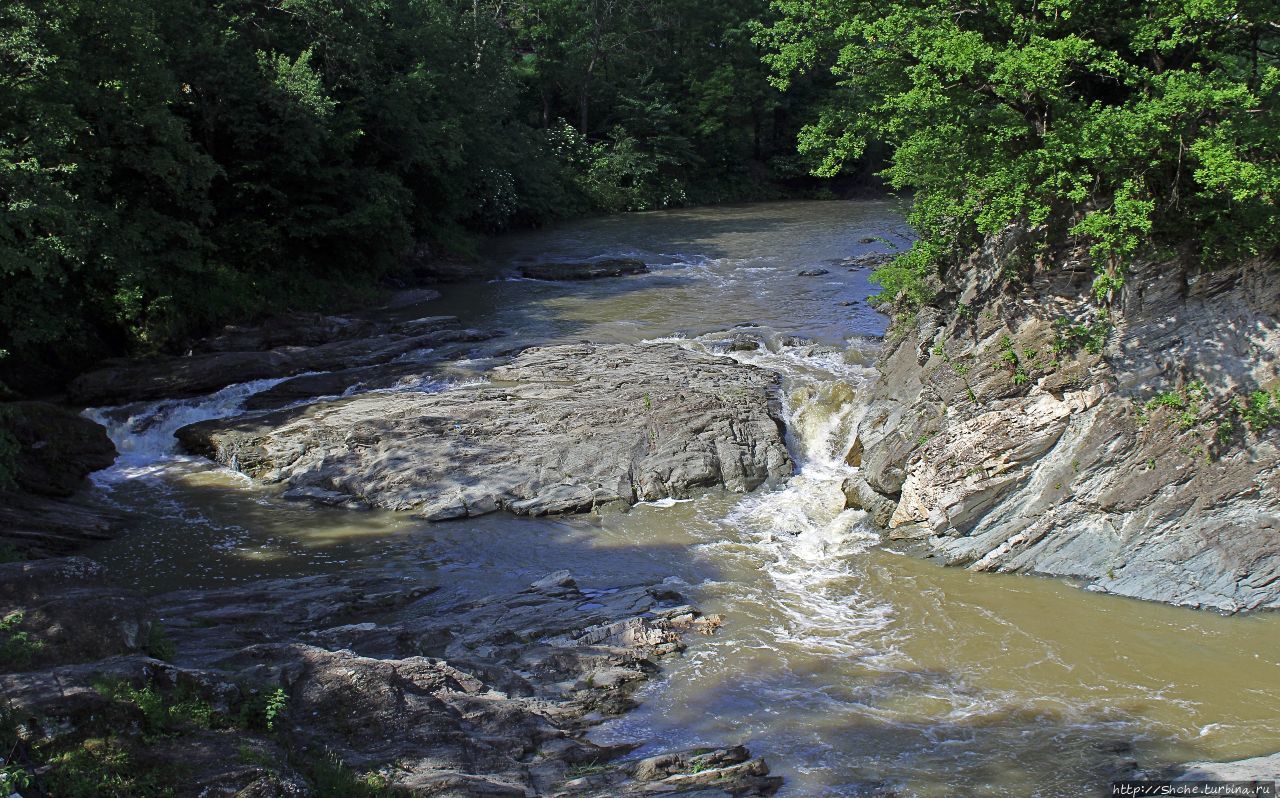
(848, 666)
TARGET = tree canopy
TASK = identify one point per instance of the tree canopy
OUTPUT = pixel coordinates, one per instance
(1129, 125)
(170, 165)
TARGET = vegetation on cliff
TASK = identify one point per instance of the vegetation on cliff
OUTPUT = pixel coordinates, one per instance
(1129, 126)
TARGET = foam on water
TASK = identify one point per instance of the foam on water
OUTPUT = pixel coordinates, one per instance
(143, 433)
(805, 540)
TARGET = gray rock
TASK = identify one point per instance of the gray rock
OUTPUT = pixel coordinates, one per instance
(69, 613)
(204, 372)
(1259, 768)
(861, 496)
(383, 673)
(57, 448)
(584, 270)
(38, 526)
(812, 272)
(869, 261)
(443, 344)
(562, 429)
(1044, 464)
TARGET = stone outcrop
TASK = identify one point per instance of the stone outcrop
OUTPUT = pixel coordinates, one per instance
(55, 449)
(381, 677)
(280, 348)
(584, 270)
(1259, 768)
(560, 429)
(1013, 428)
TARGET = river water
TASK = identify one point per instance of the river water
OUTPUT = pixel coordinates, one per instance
(848, 666)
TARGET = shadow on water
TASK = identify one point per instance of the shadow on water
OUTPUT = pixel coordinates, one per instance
(210, 528)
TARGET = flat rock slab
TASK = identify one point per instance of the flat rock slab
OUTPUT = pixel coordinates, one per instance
(587, 270)
(344, 345)
(560, 429)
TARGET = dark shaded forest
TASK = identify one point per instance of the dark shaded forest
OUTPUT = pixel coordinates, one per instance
(169, 165)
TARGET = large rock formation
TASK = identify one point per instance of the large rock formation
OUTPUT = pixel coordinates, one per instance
(54, 450)
(293, 687)
(560, 429)
(1016, 427)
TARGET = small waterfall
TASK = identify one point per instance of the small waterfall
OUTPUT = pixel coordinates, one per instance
(143, 431)
(807, 541)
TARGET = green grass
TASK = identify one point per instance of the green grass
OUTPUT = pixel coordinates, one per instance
(17, 647)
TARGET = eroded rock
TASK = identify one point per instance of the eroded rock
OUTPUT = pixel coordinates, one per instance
(561, 429)
(428, 695)
(325, 343)
(1012, 433)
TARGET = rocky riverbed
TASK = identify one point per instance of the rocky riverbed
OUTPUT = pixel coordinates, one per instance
(290, 688)
(309, 630)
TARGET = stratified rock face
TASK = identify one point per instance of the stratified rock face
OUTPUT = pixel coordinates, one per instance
(585, 270)
(561, 429)
(1010, 442)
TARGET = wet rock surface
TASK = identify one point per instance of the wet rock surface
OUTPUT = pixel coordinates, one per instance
(1259, 768)
(381, 678)
(560, 429)
(281, 348)
(1014, 432)
(584, 270)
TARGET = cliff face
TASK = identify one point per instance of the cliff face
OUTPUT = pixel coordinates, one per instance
(1017, 427)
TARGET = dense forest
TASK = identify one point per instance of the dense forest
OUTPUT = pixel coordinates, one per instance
(169, 165)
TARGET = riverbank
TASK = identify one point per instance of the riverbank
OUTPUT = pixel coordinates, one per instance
(359, 684)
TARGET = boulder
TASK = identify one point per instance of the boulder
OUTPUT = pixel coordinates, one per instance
(584, 270)
(561, 429)
(57, 448)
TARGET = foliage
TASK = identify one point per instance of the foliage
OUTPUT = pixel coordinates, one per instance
(9, 450)
(277, 704)
(1069, 337)
(332, 777)
(1126, 125)
(105, 767)
(169, 165)
(1259, 411)
(17, 647)
(159, 645)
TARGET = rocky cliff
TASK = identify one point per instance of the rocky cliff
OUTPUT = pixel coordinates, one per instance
(1021, 424)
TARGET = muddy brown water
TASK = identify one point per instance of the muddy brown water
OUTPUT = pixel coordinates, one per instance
(848, 666)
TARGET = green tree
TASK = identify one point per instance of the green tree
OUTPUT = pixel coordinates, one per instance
(1127, 125)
